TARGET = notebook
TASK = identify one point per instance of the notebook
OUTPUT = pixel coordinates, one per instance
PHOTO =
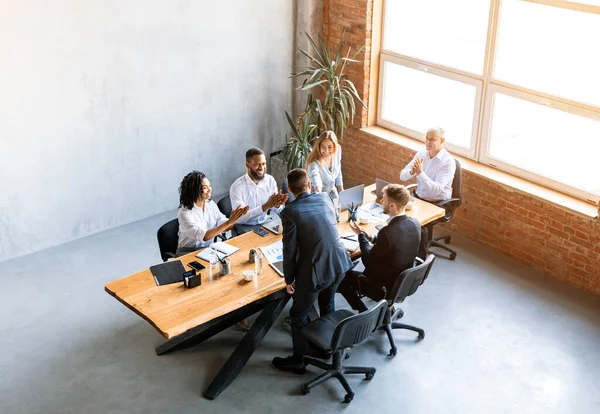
(221, 249)
(350, 241)
(168, 272)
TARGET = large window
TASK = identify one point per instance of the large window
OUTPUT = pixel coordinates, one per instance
(515, 83)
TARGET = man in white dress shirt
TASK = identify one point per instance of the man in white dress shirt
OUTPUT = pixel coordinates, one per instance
(256, 189)
(434, 168)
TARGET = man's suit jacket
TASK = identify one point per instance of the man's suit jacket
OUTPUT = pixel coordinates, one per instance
(394, 250)
(313, 256)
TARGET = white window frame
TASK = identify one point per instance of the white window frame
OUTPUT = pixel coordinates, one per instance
(420, 135)
(486, 86)
(485, 158)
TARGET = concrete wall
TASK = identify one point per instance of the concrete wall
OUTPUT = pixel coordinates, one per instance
(106, 105)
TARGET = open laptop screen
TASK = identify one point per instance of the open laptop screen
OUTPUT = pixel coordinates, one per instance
(354, 195)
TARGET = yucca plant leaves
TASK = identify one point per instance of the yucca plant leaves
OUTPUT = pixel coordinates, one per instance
(335, 112)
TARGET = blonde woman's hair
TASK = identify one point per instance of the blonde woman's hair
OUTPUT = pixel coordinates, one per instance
(315, 154)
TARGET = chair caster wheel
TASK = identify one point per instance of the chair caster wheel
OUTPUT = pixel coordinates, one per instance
(348, 398)
(421, 335)
(452, 256)
(369, 376)
(304, 389)
(393, 352)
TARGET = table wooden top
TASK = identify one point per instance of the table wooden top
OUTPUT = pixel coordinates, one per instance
(173, 309)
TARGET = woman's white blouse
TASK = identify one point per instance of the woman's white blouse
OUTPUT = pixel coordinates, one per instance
(321, 177)
(194, 223)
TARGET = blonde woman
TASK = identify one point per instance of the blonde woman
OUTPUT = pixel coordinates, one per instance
(324, 164)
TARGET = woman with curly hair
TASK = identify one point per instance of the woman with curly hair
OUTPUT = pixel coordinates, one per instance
(200, 220)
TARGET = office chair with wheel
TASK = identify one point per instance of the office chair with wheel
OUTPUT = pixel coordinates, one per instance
(332, 336)
(167, 239)
(450, 206)
(405, 285)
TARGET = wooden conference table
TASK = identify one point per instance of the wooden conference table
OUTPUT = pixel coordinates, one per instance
(187, 317)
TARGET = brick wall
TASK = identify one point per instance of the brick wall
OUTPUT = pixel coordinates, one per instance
(554, 240)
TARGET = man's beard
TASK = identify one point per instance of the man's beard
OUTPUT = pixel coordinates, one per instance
(255, 175)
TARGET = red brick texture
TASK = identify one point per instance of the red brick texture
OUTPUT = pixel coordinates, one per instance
(549, 238)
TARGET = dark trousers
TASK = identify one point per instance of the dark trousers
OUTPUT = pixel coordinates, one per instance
(302, 303)
(349, 289)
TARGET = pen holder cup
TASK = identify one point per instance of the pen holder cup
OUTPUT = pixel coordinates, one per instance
(225, 267)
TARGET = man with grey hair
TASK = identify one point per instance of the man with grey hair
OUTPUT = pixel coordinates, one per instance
(433, 167)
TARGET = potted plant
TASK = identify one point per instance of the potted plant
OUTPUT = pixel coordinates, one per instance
(304, 134)
(337, 109)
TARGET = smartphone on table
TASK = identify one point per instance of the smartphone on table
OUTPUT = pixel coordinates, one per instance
(196, 266)
(261, 232)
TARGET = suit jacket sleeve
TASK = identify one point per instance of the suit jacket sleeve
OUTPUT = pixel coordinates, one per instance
(290, 245)
(371, 256)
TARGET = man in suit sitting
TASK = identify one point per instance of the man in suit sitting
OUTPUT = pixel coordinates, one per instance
(394, 249)
(314, 260)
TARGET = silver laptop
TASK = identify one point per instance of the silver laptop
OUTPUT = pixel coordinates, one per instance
(379, 185)
(354, 195)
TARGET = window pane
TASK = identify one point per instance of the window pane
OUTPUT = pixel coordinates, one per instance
(546, 141)
(449, 33)
(419, 100)
(549, 49)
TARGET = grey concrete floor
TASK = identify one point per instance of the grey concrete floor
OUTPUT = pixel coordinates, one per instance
(500, 338)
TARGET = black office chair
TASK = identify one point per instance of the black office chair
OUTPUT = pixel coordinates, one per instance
(450, 206)
(333, 336)
(224, 205)
(167, 239)
(285, 190)
(405, 285)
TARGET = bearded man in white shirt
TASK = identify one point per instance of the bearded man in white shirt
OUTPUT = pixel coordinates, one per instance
(434, 168)
(256, 189)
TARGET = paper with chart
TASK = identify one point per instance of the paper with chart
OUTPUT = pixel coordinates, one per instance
(375, 210)
(273, 253)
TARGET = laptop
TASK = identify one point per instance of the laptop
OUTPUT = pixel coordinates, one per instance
(354, 195)
(273, 225)
(379, 185)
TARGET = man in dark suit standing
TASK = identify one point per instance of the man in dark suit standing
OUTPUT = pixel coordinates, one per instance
(314, 260)
(394, 249)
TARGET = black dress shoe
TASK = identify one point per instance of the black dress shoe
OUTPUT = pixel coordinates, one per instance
(292, 363)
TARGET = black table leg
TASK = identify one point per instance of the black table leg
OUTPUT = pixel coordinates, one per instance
(247, 345)
(200, 333)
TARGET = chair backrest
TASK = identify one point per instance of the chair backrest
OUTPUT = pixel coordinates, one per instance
(224, 205)
(285, 190)
(457, 184)
(409, 281)
(356, 328)
(168, 238)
